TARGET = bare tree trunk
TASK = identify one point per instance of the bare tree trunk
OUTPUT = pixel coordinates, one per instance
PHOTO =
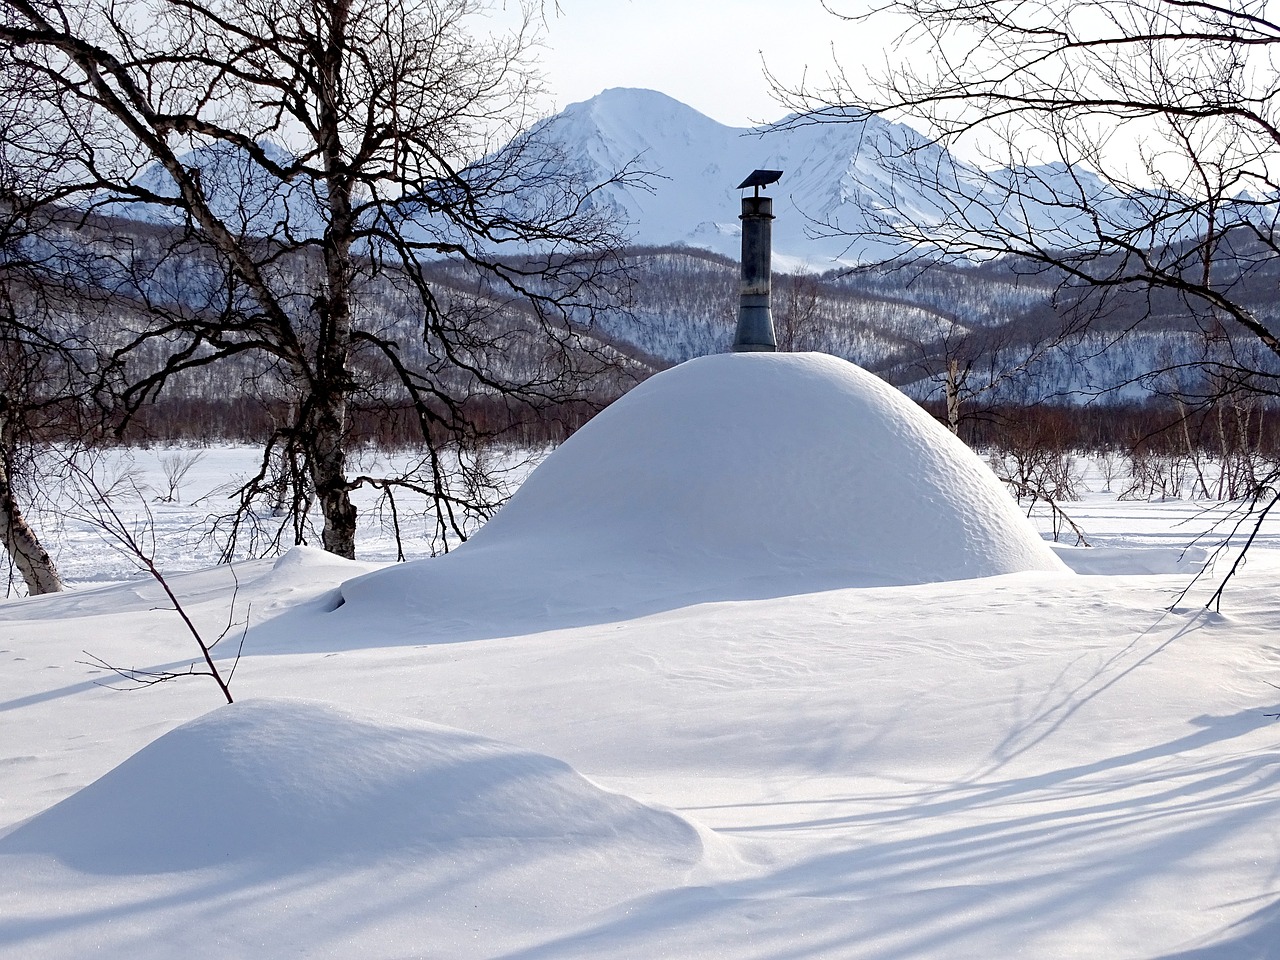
(332, 385)
(953, 396)
(25, 549)
(329, 474)
(1192, 454)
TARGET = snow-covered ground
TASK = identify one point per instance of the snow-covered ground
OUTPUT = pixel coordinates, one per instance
(613, 741)
(183, 526)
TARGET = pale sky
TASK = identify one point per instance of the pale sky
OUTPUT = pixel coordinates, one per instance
(705, 53)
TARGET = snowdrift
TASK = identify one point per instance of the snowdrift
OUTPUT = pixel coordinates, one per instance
(761, 460)
(727, 477)
(286, 783)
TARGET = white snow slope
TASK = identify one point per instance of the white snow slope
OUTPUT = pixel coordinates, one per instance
(433, 760)
(726, 477)
(836, 169)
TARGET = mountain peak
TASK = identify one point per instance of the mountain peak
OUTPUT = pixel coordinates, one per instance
(641, 109)
(697, 163)
(841, 189)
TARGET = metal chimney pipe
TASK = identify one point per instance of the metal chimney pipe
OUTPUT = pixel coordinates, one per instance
(755, 318)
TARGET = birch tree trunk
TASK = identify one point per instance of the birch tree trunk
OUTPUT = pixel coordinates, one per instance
(28, 554)
(953, 396)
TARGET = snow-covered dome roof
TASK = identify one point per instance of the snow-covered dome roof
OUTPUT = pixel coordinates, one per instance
(767, 460)
(729, 477)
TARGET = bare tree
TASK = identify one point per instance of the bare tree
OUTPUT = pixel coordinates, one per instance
(797, 311)
(26, 552)
(314, 162)
(96, 506)
(1130, 151)
(44, 367)
(175, 466)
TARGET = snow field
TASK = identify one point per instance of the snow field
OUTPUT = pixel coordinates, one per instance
(179, 533)
(634, 744)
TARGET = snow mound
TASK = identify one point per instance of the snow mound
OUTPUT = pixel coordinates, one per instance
(1145, 560)
(729, 477)
(295, 782)
(776, 460)
(307, 559)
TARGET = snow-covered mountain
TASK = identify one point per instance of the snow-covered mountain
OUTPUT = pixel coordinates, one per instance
(697, 164)
(844, 181)
(241, 192)
(848, 184)
(855, 189)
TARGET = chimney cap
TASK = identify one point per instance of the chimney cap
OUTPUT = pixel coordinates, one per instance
(760, 178)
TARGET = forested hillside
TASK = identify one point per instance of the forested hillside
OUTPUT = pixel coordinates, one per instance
(1008, 335)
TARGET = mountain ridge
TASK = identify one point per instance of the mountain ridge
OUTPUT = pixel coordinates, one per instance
(697, 163)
